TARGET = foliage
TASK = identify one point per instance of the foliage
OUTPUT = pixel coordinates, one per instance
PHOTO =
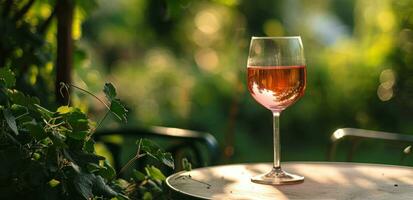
(24, 46)
(50, 154)
(28, 43)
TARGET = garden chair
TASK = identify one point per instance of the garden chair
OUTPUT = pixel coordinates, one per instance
(357, 136)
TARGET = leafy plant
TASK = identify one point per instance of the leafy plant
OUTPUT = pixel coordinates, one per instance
(50, 154)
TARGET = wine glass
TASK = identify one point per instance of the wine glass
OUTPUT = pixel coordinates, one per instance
(276, 79)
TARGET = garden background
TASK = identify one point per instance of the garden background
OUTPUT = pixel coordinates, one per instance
(182, 64)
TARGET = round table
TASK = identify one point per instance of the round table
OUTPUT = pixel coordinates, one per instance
(323, 180)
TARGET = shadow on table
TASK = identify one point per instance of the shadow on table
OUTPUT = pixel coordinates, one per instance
(350, 181)
(209, 183)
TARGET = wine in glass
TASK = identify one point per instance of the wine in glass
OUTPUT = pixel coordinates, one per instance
(276, 79)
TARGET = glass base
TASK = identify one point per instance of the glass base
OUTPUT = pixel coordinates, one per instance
(277, 177)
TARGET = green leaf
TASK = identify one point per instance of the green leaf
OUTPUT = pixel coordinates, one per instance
(36, 156)
(53, 183)
(107, 171)
(58, 139)
(78, 135)
(11, 120)
(148, 145)
(89, 146)
(109, 91)
(119, 110)
(120, 183)
(166, 159)
(116, 107)
(75, 167)
(44, 112)
(83, 158)
(8, 77)
(78, 120)
(153, 150)
(101, 188)
(93, 167)
(154, 185)
(138, 176)
(19, 110)
(64, 109)
(36, 131)
(155, 173)
(18, 97)
(89, 185)
(83, 183)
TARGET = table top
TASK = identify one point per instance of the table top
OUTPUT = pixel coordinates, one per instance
(323, 180)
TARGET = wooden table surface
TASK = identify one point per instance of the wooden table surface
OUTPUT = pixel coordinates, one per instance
(323, 180)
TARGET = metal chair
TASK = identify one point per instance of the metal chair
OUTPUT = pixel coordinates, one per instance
(356, 136)
(181, 140)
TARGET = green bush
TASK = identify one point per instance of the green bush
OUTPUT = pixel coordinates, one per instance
(50, 154)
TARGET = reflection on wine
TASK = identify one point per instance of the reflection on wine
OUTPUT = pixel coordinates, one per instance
(276, 87)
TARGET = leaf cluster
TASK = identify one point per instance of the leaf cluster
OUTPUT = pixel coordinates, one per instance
(28, 43)
(48, 154)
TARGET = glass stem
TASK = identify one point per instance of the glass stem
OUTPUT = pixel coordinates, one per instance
(276, 132)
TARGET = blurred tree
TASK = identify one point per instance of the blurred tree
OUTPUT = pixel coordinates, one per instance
(23, 45)
(402, 62)
(28, 43)
(64, 59)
